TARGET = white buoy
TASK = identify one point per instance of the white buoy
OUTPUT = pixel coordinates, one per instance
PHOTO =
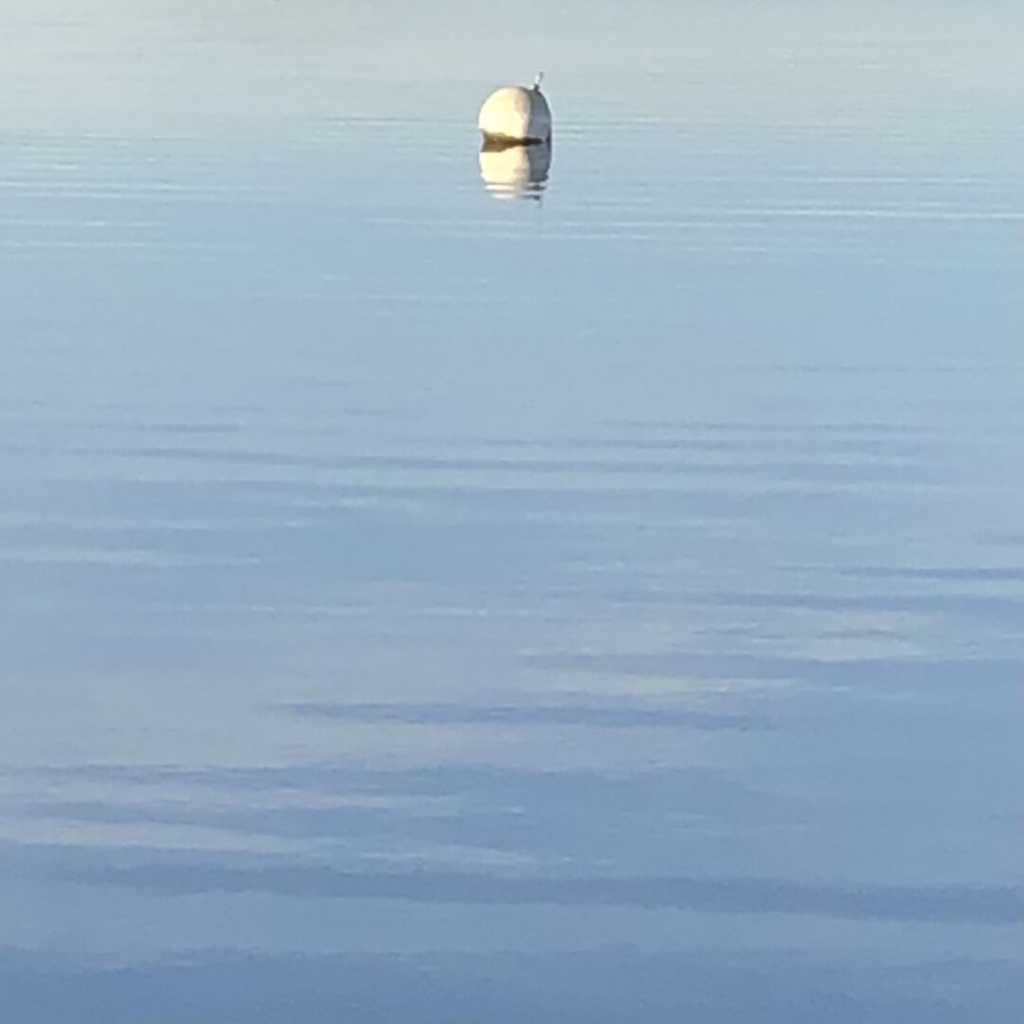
(516, 115)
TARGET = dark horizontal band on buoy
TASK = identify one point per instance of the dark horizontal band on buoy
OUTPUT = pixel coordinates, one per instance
(496, 143)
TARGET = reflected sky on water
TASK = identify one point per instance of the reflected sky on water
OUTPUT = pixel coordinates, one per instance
(603, 607)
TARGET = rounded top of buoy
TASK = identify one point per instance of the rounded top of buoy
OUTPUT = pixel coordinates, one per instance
(515, 114)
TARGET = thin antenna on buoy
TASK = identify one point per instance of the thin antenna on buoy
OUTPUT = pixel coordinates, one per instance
(538, 78)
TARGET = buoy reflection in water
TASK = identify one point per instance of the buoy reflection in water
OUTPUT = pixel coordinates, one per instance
(511, 171)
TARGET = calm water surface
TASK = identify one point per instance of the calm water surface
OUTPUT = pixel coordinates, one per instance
(422, 600)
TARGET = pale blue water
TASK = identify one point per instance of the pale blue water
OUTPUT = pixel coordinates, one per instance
(425, 604)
